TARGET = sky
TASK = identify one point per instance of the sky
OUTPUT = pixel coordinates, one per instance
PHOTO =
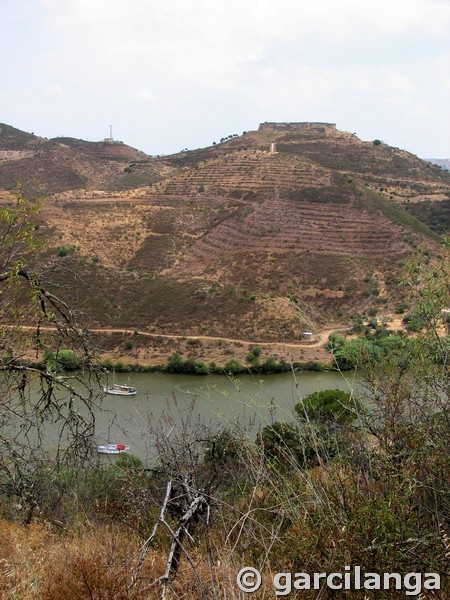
(175, 74)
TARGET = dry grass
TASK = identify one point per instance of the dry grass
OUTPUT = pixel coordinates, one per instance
(97, 563)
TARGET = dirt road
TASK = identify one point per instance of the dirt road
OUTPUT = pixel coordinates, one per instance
(321, 337)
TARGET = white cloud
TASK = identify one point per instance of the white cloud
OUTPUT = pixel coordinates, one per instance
(220, 63)
(207, 43)
(54, 90)
(144, 95)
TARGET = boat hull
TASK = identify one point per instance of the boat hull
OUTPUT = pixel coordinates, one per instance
(120, 390)
(112, 449)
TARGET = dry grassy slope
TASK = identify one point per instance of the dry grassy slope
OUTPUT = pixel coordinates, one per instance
(225, 234)
(50, 166)
(15, 139)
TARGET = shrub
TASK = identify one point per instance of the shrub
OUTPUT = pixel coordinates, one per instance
(357, 352)
(328, 406)
(62, 360)
(401, 308)
(335, 341)
(65, 250)
(121, 367)
(253, 355)
(175, 363)
(270, 365)
(223, 448)
(289, 446)
(282, 442)
(414, 321)
(191, 366)
(358, 324)
(233, 367)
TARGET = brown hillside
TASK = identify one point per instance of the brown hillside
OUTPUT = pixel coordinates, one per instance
(15, 139)
(46, 167)
(244, 239)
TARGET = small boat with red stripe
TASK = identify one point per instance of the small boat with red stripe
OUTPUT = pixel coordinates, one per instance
(112, 448)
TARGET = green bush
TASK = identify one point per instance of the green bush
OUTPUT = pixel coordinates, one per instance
(233, 367)
(65, 250)
(270, 365)
(414, 321)
(62, 360)
(190, 366)
(358, 324)
(401, 308)
(336, 341)
(128, 463)
(223, 448)
(290, 445)
(328, 406)
(282, 442)
(253, 355)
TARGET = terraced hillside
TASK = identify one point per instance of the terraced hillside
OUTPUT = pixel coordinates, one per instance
(260, 237)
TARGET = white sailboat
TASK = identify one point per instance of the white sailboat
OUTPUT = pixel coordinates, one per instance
(119, 390)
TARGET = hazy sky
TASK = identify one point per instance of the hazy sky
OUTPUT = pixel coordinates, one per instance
(174, 74)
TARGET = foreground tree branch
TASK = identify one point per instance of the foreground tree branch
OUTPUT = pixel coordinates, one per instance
(36, 398)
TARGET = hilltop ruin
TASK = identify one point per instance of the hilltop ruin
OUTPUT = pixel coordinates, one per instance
(301, 126)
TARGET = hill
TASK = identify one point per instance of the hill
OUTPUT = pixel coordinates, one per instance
(49, 166)
(444, 163)
(260, 237)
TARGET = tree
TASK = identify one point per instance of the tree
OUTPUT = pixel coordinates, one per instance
(37, 397)
(328, 406)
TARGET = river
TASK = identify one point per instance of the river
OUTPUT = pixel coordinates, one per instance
(164, 402)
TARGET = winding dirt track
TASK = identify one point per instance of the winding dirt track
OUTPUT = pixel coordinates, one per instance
(323, 336)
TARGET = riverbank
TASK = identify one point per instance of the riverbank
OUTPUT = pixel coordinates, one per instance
(132, 350)
(131, 347)
(178, 364)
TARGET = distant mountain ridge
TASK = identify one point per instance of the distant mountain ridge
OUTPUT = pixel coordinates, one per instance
(440, 162)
